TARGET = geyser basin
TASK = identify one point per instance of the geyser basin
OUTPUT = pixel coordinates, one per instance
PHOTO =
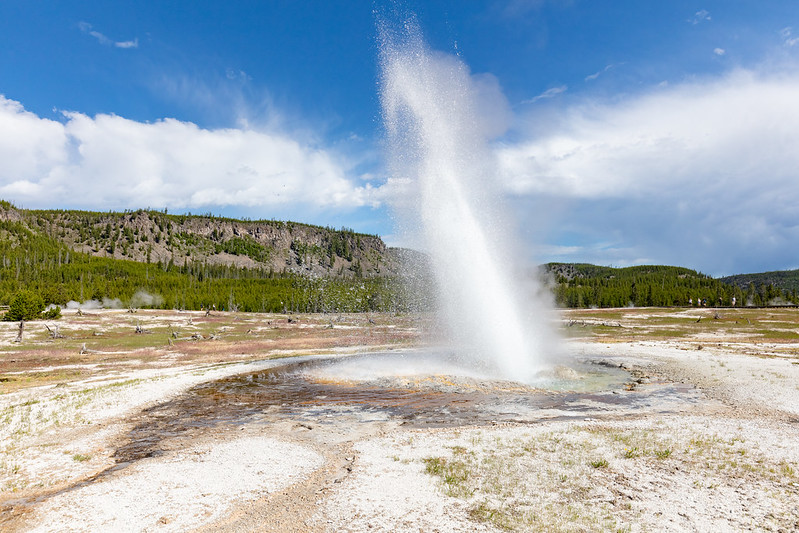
(398, 387)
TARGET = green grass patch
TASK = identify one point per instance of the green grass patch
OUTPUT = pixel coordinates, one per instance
(36, 378)
(778, 334)
(631, 453)
(453, 473)
(664, 453)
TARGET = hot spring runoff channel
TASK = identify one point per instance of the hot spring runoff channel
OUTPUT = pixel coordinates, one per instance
(416, 389)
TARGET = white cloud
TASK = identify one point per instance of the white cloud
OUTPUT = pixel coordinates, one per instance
(127, 44)
(237, 75)
(730, 127)
(108, 161)
(706, 170)
(549, 93)
(87, 28)
(787, 37)
(719, 51)
(700, 16)
(29, 146)
(102, 39)
(595, 75)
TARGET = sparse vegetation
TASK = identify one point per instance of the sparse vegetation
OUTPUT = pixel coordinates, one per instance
(583, 475)
(778, 326)
(664, 453)
(554, 481)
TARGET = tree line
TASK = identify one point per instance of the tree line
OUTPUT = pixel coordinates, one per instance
(44, 266)
(583, 286)
(40, 264)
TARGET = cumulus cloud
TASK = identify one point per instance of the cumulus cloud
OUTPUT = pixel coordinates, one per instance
(29, 147)
(108, 161)
(703, 170)
(719, 51)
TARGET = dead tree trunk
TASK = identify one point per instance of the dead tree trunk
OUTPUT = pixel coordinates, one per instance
(54, 334)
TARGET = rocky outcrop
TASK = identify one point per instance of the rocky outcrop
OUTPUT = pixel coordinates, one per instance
(158, 237)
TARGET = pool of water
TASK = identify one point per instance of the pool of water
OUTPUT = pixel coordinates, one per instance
(415, 389)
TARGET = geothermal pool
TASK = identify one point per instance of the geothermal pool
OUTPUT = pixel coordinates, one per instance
(415, 389)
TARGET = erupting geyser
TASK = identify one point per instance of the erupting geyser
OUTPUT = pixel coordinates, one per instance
(439, 123)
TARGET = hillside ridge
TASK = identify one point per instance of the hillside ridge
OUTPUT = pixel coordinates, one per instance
(150, 236)
(782, 279)
(587, 285)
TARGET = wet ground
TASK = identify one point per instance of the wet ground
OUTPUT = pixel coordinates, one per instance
(413, 389)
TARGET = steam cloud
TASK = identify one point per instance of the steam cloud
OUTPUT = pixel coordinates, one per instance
(142, 298)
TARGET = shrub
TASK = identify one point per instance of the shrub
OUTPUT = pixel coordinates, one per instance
(54, 313)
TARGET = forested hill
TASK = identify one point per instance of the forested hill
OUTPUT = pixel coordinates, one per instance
(37, 265)
(781, 279)
(150, 258)
(585, 285)
(148, 236)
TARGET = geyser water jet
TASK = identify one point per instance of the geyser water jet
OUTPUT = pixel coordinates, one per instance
(438, 132)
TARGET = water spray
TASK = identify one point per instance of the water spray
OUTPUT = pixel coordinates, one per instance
(438, 144)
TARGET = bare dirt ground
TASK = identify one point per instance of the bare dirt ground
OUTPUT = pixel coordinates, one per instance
(704, 435)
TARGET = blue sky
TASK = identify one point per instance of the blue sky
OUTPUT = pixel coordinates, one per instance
(636, 132)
